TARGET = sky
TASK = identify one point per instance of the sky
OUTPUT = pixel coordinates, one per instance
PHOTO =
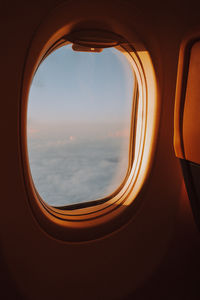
(79, 113)
(82, 86)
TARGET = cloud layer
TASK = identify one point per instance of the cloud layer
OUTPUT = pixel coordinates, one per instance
(67, 170)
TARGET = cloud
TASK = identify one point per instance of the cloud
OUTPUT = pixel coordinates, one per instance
(79, 171)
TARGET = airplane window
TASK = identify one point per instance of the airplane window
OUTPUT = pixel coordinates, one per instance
(79, 125)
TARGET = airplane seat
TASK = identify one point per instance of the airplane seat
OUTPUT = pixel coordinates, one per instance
(187, 121)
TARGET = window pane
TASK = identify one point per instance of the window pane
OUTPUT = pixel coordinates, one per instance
(79, 115)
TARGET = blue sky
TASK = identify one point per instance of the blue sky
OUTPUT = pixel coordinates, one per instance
(82, 87)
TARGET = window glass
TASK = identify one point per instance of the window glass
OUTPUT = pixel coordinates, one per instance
(78, 128)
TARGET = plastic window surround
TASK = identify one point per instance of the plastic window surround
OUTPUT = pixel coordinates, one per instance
(62, 220)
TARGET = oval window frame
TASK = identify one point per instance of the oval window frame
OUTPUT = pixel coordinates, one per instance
(92, 222)
(121, 46)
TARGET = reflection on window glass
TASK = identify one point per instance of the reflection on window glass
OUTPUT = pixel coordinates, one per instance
(79, 114)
